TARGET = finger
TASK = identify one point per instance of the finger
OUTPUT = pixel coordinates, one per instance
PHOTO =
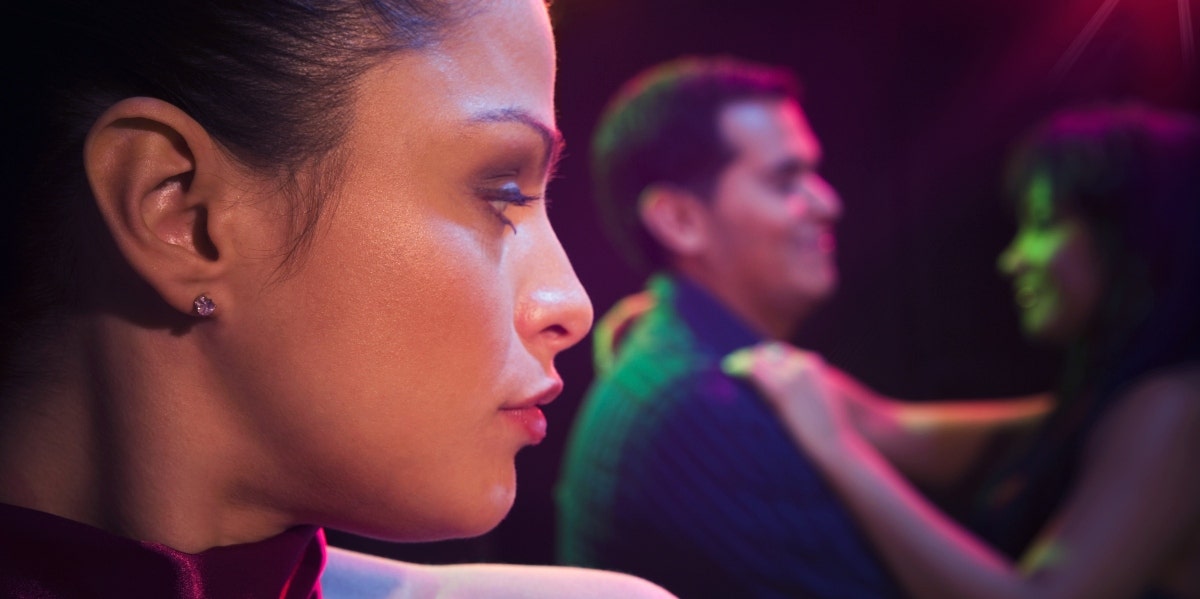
(770, 360)
(780, 358)
(743, 363)
(739, 363)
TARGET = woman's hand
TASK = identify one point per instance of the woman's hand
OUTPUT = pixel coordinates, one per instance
(794, 383)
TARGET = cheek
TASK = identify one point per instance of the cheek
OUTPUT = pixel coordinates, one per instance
(408, 294)
(756, 222)
(378, 365)
(1072, 289)
(1078, 269)
(428, 300)
(1078, 291)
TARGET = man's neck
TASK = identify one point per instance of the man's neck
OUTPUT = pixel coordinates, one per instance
(765, 319)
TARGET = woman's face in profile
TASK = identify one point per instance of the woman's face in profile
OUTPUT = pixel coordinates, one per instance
(395, 375)
(1055, 268)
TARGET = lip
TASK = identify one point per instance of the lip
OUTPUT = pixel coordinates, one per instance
(529, 420)
(527, 415)
(1025, 297)
(822, 242)
(1026, 293)
(546, 394)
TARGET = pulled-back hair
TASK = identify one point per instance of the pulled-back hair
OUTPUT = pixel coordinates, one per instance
(662, 128)
(272, 81)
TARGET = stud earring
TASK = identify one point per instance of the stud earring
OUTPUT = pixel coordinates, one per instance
(204, 306)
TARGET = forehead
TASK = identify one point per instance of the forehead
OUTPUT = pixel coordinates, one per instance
(768, 131)
(499, 58)
(1038, 200)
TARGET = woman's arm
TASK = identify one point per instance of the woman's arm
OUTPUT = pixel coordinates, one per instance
(933, 443)
(1136, 504)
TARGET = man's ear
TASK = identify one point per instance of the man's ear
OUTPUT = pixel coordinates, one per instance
(675, 217)
(161, 184)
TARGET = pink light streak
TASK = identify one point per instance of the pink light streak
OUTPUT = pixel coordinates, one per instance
(1187, 39)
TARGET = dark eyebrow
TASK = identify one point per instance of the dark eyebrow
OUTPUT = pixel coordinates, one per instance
(552, 138)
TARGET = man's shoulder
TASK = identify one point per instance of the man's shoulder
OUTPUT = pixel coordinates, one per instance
(648, 388)
(660, 368)
(656, 360)
(642, 406)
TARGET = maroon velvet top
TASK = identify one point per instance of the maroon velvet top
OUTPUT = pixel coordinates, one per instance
(47, 557)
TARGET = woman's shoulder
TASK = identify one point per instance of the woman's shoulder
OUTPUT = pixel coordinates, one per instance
(1173, 390)
(1142, 461)
(1160, 411)
(348, 574)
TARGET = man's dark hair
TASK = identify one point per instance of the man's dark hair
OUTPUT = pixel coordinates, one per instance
(661, 128)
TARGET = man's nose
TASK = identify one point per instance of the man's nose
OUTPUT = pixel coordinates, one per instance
(823, 200)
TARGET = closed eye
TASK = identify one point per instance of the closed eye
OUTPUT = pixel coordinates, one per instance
(502, 197)
(784, 178)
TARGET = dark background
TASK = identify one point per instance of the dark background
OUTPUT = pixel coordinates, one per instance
(916, 104)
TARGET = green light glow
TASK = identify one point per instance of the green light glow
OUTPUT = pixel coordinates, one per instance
(1039, 199)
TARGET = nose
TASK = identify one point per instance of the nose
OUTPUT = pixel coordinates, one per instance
(553, 311)
(1010, 261)
(823, 200)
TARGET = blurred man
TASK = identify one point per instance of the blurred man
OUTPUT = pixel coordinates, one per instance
(706, 171)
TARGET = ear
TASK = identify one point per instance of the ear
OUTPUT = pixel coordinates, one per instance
(675, 217)
(161, 184)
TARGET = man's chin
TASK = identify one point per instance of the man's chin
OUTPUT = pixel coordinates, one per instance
(816, 288)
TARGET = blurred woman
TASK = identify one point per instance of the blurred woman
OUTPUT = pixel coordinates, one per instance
(1106, 501)
(271, 266)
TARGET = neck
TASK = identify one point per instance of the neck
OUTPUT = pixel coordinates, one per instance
(123, 435)
(760, 314)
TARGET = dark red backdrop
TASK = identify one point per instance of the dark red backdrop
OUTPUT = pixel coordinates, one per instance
(916, 103)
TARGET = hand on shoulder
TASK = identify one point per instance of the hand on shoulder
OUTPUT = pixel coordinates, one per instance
(794, 382)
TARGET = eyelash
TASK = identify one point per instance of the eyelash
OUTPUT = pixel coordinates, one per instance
(508, 195)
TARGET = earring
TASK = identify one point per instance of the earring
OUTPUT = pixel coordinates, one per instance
(204, 306)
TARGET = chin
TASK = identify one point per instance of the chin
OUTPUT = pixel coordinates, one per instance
(483, 513)
(477, 528)
(814, 290)
(442, 528)
(1048, 331)
(468, 514)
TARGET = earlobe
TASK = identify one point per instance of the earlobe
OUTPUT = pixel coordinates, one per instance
(148, 164)
(676, 218)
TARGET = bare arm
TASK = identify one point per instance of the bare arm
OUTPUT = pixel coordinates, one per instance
(933, 443)
(1135, 507)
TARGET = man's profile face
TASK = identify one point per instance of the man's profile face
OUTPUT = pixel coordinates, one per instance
(773, 215)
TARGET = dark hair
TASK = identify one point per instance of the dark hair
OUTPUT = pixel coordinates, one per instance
(271, 80)
(661, 127)
(1131, 174)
